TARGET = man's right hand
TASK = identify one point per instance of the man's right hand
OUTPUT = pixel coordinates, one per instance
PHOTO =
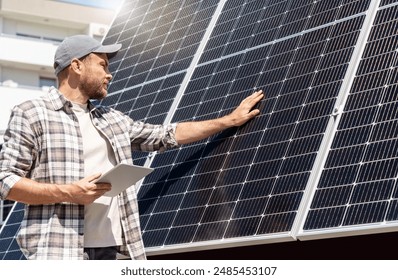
(86, 191)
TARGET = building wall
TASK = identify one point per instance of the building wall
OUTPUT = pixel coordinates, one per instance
(39, 26)
(21, 76)
(56, 13)
(30, 31)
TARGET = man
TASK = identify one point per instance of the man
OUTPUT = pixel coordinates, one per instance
(57, 146)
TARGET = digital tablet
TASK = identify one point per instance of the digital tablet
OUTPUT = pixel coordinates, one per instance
(123, 176)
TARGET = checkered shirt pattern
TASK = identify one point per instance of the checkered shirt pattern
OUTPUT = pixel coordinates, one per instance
(43, 142)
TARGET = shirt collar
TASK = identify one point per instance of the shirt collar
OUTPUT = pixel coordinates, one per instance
(59, 101)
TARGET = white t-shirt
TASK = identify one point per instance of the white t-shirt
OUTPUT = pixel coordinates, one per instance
(102, 227)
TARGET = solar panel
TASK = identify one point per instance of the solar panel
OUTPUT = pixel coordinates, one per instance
(357, 185)
(249, 182)
(318, 161)
(159, 40)
(9, 248)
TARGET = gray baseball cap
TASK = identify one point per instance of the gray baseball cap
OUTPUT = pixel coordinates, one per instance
(78, 46)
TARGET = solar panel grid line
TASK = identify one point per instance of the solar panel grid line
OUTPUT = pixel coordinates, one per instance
(379, 163)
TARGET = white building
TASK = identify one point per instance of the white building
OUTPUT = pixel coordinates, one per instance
(30, 31)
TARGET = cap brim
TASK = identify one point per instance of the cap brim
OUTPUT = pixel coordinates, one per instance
(110, 50)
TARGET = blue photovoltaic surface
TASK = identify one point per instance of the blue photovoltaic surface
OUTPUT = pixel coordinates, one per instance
(9, 248)
(159, 40)
(358, 182)
(250, 181)
(247, 184)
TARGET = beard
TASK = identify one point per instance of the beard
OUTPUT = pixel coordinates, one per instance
(93, 88)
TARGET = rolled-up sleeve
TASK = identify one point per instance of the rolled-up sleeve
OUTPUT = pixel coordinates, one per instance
(17, 152)
(149, 137)
(7, 182)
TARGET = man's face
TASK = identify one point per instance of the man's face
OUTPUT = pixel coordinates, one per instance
(95, 76)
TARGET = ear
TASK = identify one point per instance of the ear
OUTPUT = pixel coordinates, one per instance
(76, 65)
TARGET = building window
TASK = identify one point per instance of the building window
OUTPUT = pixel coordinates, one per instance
(47, 82)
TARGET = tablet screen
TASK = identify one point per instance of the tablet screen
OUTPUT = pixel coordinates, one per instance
(123, 176)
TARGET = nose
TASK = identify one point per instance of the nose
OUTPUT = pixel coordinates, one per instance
(109, 76)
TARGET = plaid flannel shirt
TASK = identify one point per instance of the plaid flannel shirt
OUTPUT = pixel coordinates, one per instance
(43, 142)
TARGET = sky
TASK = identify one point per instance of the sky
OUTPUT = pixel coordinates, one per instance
(107, 4)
